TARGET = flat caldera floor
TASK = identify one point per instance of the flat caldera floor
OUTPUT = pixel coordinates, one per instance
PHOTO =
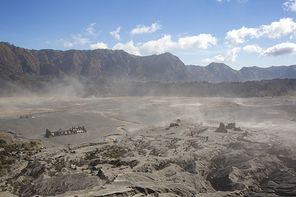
(152, 145)
(103, 117)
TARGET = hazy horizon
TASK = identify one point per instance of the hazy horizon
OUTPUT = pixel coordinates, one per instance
(239, 33)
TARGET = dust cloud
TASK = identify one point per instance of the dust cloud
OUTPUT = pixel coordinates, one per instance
(162, 141)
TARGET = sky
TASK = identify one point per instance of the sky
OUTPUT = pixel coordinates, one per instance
(239, 33)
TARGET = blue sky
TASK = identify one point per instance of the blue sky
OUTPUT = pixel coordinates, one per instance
(239, 33)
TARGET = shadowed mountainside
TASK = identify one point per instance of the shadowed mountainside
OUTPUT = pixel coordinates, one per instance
(114, 65)
(105, 72)
(100, 64)
(219, 72)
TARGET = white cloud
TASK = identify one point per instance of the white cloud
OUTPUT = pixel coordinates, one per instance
(280, 49)
(275, 30)
(218, 58)
(68, 44)
(230, 56)
(164, 44)
(79, 40)
(90, 30)
(159, 46)
(128, 47)
(238, 36)
(65, 43)
(252, 49)
(201, 41)
(116, 33)
(141, 29)
(290, 5)
(99, 45)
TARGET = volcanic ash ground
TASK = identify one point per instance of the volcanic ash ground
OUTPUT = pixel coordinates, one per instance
(148, 146)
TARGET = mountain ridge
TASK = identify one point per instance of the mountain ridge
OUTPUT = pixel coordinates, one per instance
(101, 64)
(114, 65)
(220, 72)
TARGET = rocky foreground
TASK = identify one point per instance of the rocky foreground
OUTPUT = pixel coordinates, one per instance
(180, 158)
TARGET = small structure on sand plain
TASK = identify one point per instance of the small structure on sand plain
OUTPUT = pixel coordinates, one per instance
(73, 130)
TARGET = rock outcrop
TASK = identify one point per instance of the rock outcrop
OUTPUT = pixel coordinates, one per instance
(221, 128)
(57, 185)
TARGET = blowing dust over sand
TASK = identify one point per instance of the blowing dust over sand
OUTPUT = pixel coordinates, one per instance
(172, 140)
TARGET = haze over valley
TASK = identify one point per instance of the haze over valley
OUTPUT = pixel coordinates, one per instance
(117, 73)
(148, 98)
(107, 123)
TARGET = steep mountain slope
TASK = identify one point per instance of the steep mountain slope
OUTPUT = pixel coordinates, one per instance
(256, 73)
(219, 72)
(114, 65)
(100, 64)
(215, 72)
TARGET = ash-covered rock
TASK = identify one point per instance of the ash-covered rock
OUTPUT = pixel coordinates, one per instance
(233, 127)
(188, 159)
(58, 185)
(239, 170)
(221, 128)
(33, 169)
(281, 182)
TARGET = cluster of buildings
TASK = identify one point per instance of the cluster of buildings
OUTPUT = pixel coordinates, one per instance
(73, 130)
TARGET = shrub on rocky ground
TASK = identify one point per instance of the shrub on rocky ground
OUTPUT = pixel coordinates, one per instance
(115, 152)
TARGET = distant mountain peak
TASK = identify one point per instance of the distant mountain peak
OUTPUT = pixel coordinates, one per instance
(220, 72)
(218, 65)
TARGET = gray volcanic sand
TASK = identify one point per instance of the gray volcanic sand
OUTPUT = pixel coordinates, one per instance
(56, 113)
(269, 120)
(271, 115)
